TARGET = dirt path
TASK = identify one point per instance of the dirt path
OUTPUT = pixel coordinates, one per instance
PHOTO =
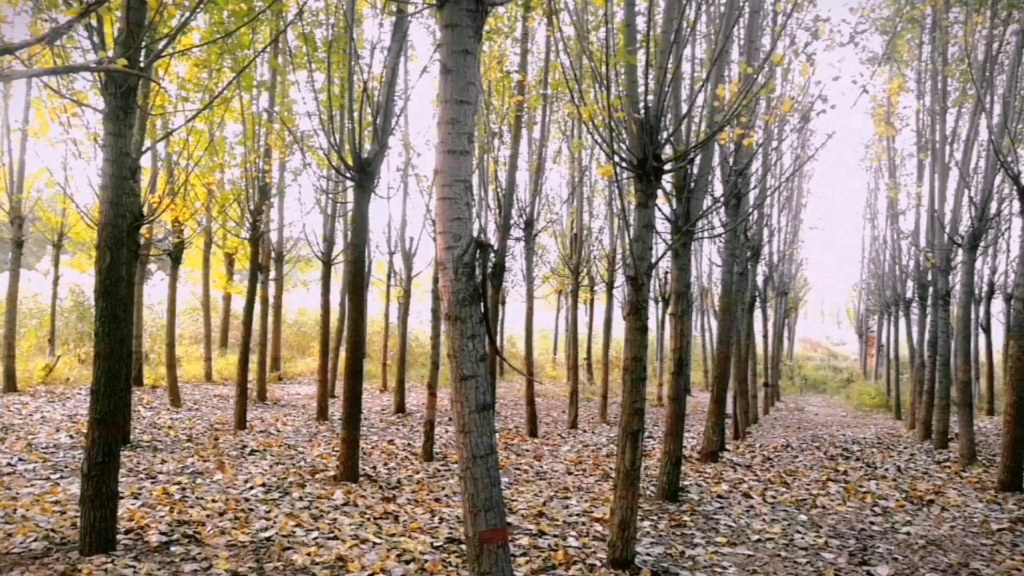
(815, 490)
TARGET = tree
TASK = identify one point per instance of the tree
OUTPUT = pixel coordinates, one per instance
(15, 185)
(461, 25)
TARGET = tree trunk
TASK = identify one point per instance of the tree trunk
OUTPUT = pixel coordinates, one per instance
(986, 328)
(277, 306)
(1011, 458)
(501, 333)
(384, 353)
(430, 415)
(51, 338)
(339, 326)
(609, 311)
(326, 270)
(461, 24)
(139, 303)
(588, 361)
(927, 403)
(175, 256)
(767, 355)
(629, 453)
(248, 314)
(16, 220)
(671, 464)
(558, 317)
(897, 399)
(117, 247)
(661, 306)
(355, 340)
(529, 247)
(262, 344)
(204, 297)
(964, 382)
(225, 303)
(404, 307)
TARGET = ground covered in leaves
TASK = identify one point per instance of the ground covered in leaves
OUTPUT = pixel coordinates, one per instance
(817, 490)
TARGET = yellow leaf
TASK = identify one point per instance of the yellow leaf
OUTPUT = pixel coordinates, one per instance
(787, 105)
(805, 70)
(123, 63)
(722, 540)
(354, 566)
(778, 58)
(606, 171)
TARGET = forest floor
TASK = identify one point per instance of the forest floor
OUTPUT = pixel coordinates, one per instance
(816, 490)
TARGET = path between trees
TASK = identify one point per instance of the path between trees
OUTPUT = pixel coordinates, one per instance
(816, 490)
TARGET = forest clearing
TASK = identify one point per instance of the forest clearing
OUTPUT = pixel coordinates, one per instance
(821, 490)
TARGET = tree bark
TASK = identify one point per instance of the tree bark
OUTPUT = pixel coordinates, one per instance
(176, 254)
(263, 341)
(558, 317)
(461, 24)
(1011, 458)
(430, 415)
(964, 382)
(204, 297)
(609, 310)
(629, 453)
(225, 303)
(326, 270)
(404, 307)
(138, 314)
(339, 326)
(51, 338)
(277, 306)
(16, 220)
(355, 339)
(386, 341)
(117, 249)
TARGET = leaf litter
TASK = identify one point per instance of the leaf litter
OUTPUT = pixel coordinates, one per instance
(815, 490)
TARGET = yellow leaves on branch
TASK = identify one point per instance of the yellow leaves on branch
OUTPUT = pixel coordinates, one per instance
(787, 105)
(606, 171)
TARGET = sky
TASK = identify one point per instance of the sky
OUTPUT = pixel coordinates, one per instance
(832, 225)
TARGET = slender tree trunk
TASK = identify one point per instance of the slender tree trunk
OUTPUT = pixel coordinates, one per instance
(1011, 458)
(139, 303)
(248, 314)
(259, 261)
(986, 328)
(964, 383)
(326, 270)
(384, 352)
(558, 317)
(430, 415)
(404, 308)
(629, 453)
(659, 354)
(609, 311)
(501, 334)
(355, 340)
(461, 24)
(51, 338)
(767, 401)
(175, 256)
(16, 220)
(976, 348)
(277, 305)
(204, 297)
(262, 349)
(225, 303)
(529, 256)
(117, 246)
(339, 326)
(897, 398)
(589, 360)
